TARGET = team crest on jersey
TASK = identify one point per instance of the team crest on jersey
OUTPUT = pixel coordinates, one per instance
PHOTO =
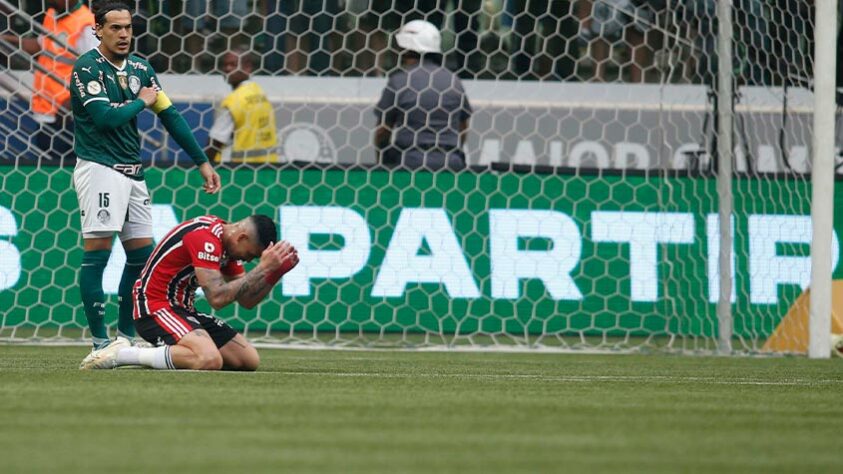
(103, 216)
(121, 79)
(134, 84)
(94, 87)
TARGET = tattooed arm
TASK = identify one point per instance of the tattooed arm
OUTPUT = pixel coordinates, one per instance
(248, 290)
(251, 288)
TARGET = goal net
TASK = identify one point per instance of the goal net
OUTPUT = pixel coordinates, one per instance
(585, 217)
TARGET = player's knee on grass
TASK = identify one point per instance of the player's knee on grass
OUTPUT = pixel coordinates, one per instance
(240, 355)
(209, 360)
(205, 355)
(247, 360)
(203, 358)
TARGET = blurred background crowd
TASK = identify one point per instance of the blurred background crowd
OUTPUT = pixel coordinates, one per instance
(633, 41)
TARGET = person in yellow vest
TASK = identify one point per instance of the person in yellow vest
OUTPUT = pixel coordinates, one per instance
(244, 128)
(72, 22)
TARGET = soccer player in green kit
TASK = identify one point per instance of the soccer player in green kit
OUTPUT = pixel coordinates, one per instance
(109, 87)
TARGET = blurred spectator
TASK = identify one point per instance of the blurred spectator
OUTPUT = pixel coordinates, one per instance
(425, 103)
(206, 17)
(608, 24)
(152, 20)
(792, 36)
(491, 58)
(754, 62)
(305, 31)
(753, 42)
(244, 129)
(210, 27)
(72, 23)
(466, 58)
(543, 34)
(377, 19)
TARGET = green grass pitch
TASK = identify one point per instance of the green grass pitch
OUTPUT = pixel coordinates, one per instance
(365, 411)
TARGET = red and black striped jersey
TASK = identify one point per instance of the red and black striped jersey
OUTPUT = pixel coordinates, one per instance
(169, 277)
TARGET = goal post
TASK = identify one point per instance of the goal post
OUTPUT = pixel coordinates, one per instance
(725, 149)
(627, 186)
(822, 179)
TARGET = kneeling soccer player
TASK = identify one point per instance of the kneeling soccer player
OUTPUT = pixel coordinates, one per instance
(202, 252)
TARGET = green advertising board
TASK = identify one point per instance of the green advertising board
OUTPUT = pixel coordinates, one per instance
(448, 253)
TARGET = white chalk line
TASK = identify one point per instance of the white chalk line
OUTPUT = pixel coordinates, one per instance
(570, 378)
(529, 377)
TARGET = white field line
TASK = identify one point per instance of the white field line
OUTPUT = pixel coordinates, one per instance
(679, 379)
(572, 378)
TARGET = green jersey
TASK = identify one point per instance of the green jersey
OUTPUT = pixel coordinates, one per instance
(97, 86)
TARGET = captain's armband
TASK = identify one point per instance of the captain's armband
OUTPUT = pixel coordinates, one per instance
(162, 103)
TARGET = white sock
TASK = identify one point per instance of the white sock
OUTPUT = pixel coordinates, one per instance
(128, 356)
(155, 357)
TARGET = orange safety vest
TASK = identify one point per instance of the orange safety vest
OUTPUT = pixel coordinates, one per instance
(50, 94)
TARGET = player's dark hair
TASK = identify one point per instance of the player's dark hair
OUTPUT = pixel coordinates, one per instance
(102, 7)
(265, 229)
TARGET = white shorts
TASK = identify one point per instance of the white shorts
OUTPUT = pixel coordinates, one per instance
(111, 202)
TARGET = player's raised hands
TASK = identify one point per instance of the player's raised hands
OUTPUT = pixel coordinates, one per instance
(289, 257)
(279, 257)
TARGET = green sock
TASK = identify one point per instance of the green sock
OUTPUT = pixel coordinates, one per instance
(135, 260)
(93, 298)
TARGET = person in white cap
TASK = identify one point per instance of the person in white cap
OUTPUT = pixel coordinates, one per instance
(424, 103)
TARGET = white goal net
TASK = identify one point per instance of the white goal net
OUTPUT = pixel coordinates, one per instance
(579, 212)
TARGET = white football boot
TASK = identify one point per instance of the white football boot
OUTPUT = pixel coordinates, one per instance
(140, 342)
(105, 358)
